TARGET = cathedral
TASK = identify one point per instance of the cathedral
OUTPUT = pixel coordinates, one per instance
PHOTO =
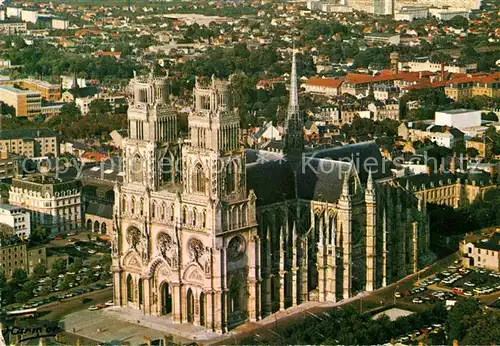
(209, 233)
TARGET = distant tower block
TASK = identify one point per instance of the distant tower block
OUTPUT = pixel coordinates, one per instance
(394, 62)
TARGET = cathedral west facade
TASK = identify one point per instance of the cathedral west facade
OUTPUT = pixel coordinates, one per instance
(208, 233)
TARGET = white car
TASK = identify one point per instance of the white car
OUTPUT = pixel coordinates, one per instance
(397, 294)
(109, 303)
(469, 284)
(93, 308)
(91, 251)
(417, 301)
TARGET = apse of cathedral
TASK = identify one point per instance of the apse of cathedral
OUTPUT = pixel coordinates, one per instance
(209, 233)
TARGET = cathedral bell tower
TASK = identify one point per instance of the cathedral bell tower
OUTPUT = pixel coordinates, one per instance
(214, 163)
(150, 150)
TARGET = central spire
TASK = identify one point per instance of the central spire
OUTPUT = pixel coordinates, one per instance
(293, 103)
(294, 138)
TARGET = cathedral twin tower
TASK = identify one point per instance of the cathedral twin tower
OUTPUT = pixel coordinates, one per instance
(206, 234)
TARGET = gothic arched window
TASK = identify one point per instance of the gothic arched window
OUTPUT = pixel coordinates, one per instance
(195, 215)
(231, 177)
(184, 215)
(136, 169)
(199, 179)
(166, 168)
(132, 210)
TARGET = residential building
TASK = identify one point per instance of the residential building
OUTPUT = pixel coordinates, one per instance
(54, 203)
(12, 28)
(18, 218)
(425, 64)
(9, 165)
(14, 12)
(114, 101)
(60, 24)
(267, 132)
(449, 137)
(30, 143)
(484, 146)
(449, 13)
(323, 86)
(17, 255)
(30, 16)
(411, 13)
(459, 118)
(386, 38)
(383, 7)
(26, 103)
(481, 253)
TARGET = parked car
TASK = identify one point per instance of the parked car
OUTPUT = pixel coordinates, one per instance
(417, 301)
(93, 308)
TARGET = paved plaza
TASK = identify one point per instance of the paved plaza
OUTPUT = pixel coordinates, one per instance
(128, 326)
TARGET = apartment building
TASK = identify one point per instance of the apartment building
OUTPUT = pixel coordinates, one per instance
(18, 218)
(9, 165)
(30, 143)
(12, 28)
(17, 255)
(53, 203)
(323, 86)
(26, 103)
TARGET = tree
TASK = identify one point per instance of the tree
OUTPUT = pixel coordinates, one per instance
(39, 235)
(58, 267)
(459, 318)
(489, 116)
(40, 270)
(22, 297)
(19, 276)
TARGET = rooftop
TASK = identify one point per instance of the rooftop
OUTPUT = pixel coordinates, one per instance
(11, 89)
(30, 133)
(458, 111)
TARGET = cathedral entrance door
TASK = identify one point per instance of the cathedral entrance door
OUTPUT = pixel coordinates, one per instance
(190, 306)
(166, 299)
(202, 309)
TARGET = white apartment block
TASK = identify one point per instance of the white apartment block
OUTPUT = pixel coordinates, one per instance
(53, 203)
(61, 24)
(30, 16)
(16, 217)
(14, 12)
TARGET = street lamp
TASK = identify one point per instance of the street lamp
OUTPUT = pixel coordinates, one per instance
(394, 295)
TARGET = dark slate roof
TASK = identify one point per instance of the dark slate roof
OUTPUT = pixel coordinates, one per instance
(365, 156)
(321, 179)
(109, 170)
(27, 134)
(84, 92)
(492, 243)
(271, 181)
(98, 209)
(316, 179)
(420, 180)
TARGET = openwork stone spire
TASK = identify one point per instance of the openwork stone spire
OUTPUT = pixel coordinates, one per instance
(294, 138)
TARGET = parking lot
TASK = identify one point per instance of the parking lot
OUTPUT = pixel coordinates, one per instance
(447, 286)
(88, 271)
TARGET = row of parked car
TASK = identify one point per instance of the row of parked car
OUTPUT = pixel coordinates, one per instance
(84, 290)
(432, 329)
